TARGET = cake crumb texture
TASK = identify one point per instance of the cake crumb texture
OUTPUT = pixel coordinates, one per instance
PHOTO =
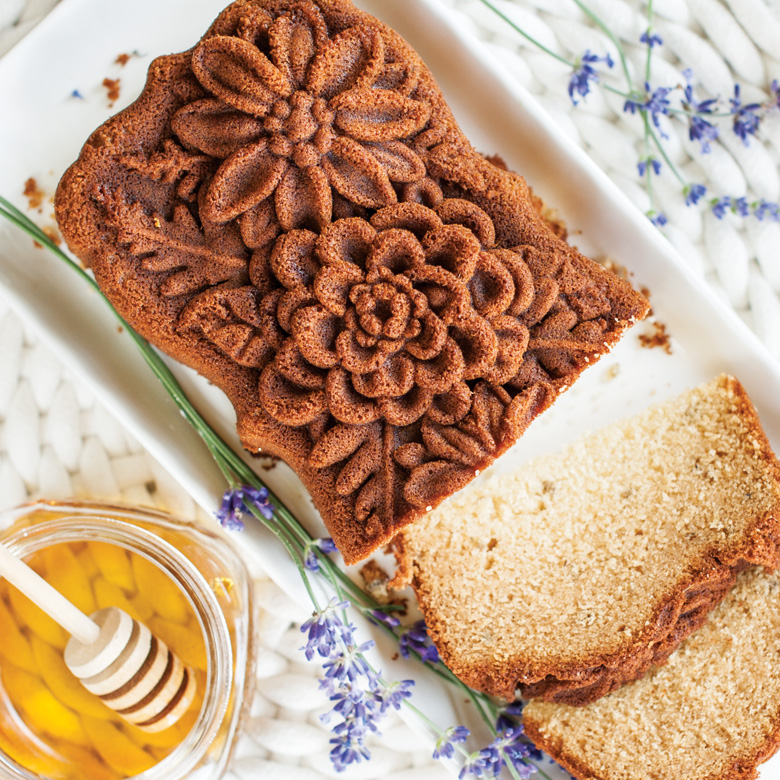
(712, 713)
(578, 571)
(291, 209)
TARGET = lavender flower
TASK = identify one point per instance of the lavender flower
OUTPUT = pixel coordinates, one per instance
(76, 95)
(445, 744)
(415, 638)
(508, 719)
(473, 766)
(652, 162)
(775, 90)
(651, 39)
(347, 751)
(765, 209)
(237, 501)
(393, 694)
(657, 218)
(655, 103)
(702, 131)
(346, 665)
(378, 617)
(326, 631)
(693, 193)
(720, 206)
(326, 545)
(584, 73)
(699, 129)
(740, 207)
(746, 120)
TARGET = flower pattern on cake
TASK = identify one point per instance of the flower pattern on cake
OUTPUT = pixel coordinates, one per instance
(300, 219)
(296, 116)
(409, 325)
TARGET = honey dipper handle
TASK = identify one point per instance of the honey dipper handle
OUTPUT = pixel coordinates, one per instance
(51, 601)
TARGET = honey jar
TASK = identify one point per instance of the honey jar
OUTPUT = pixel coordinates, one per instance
(187, 584)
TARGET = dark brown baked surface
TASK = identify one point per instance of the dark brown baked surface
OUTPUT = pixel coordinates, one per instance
(291, 209)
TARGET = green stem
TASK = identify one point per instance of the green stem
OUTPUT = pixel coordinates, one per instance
(649, 58)
(672, 167)
(530, 38)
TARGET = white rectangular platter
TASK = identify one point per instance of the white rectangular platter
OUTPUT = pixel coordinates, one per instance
(42, 127)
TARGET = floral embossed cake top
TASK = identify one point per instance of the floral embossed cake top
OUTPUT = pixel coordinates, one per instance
(291, 209)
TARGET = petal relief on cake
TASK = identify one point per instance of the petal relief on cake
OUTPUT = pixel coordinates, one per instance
(356, 358)
(215, 128)
(440, 373)
(447, 295)
(513, 338)
(431, 340)
(293, 261)
(333, 283)
(293, 366)
(400, 77)
(345, 403)
(455, 164)
(478, 343)
(408, 408)
(353, 58)
(400, 162)
(456, 211)
(356, 174)
(379, 114)
(414, 217)
(492, 286)
(295, 38)
(303, 199)
(346, 240)
(315, 330)
(286, 402)
(523, 281)
(245, 179)
(288, 304)
(395, 250)
(454, 248)
(395, 377)
(239, 74)
(451, 406)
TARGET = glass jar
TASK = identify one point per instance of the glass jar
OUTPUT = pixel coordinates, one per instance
(213, 582)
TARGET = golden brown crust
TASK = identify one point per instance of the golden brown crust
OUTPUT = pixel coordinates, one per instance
(678, 613)
(291, 209)
(739, 758)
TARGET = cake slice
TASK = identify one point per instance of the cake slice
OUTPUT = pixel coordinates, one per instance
(291, 209)
(712, 713)
(580, 570)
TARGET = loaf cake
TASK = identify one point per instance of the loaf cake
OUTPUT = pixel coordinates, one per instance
(579, 571)
(712, 713)
(291, 209)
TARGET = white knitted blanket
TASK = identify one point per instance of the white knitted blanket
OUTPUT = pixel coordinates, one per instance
(56, 441)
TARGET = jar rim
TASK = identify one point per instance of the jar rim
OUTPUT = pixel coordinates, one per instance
(95, 524)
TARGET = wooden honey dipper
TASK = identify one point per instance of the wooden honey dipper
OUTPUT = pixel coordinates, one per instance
(114, 656)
